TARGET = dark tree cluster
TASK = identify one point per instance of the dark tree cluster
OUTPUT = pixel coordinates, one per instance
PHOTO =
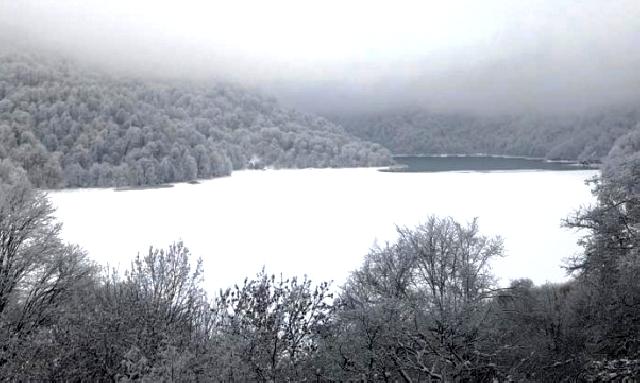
(585, 138)
(425, 308)
(70, 127)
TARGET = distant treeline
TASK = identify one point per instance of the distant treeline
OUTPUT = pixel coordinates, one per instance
(586, 138)
(425, 308)
(70, 127)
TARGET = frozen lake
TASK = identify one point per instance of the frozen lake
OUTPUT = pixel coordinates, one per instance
(321, 222)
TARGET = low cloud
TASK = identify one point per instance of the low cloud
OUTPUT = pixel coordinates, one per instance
(493, 57)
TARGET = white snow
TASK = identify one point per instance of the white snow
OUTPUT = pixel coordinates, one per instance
(321, 222)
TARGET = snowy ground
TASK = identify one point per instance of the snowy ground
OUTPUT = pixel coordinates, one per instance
(321, 222)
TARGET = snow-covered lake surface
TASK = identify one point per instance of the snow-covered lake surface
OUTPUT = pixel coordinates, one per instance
(321, 222)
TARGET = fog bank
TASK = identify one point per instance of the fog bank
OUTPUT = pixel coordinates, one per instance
(335, 57)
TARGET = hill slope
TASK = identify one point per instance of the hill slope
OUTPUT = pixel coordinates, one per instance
(584, 138)
(70, 127)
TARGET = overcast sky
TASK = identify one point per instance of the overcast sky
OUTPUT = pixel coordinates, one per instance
(330, 55)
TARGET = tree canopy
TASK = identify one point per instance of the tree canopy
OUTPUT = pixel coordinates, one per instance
(585, 137)
(425, 307)
(70, 126)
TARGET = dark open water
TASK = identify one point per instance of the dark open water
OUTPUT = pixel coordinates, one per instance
(455, 163)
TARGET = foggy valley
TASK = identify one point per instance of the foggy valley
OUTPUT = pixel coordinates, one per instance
(288, 191)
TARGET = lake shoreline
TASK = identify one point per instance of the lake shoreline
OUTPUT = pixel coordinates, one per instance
(489, 155)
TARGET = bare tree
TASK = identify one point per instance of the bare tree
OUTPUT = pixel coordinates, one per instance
(416, 308)
(37, 271)
(270, 328)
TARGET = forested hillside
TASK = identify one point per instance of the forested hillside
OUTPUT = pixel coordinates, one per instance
(584, 138)
(70, 127)
(425, 308)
